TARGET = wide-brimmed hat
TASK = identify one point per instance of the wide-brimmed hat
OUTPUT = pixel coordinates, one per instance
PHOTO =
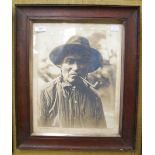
(77, 45)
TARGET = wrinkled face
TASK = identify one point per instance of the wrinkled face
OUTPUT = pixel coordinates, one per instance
(73, 67)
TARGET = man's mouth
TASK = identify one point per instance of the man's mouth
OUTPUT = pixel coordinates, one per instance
(74, 74)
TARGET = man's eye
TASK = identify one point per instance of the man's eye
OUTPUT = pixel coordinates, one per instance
(70, 61)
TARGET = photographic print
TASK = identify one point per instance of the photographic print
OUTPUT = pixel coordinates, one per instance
(77, 79)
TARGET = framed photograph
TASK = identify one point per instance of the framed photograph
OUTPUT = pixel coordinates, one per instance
(76, 77)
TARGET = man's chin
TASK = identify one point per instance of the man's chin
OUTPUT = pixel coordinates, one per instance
(73, 80)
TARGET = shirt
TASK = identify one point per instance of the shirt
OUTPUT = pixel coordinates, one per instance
(65, 105)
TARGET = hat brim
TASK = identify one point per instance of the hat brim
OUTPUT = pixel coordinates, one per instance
(91, 55)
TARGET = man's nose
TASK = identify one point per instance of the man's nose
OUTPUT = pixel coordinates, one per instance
(75, 66)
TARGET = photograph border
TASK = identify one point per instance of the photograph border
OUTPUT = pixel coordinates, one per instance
(25, 17)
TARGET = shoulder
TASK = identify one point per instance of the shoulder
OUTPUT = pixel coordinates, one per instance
(92, 92)
(50, 86)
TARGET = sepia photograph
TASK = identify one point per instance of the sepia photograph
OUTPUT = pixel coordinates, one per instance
(76, 83)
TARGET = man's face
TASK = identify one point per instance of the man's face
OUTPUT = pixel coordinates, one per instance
(73, 67)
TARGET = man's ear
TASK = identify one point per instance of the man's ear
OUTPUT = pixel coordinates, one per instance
(61, 71)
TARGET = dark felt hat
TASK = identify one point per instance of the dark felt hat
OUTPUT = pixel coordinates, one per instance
(77, 45)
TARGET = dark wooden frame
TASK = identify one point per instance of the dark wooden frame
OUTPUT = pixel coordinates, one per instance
(25, 16)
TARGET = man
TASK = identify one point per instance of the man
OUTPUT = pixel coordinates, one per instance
(70, 100)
